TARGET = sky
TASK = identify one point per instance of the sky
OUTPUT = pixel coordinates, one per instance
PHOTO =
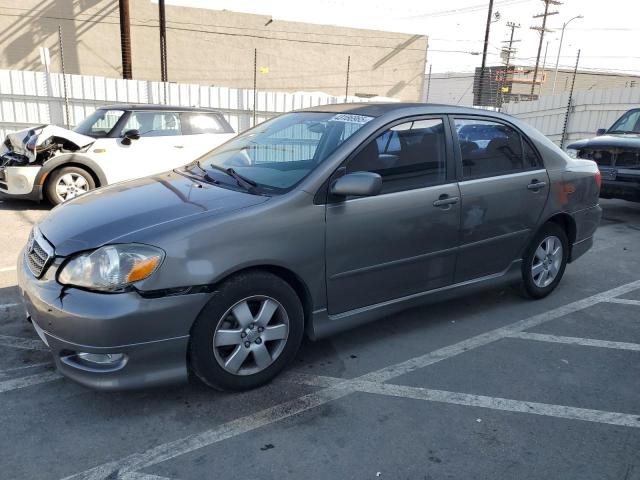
(607, 35)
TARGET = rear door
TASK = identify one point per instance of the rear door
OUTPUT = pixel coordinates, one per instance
(402, 241)
(202, 132)
(504, 188)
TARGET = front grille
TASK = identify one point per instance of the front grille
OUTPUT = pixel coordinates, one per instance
(38, 253)
(601, 157)
(628, 159)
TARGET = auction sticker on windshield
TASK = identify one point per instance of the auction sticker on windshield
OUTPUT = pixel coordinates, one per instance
(350, 118)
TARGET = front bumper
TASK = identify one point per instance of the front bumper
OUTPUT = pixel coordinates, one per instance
(20, 182)
(627, 189)
(149, 336)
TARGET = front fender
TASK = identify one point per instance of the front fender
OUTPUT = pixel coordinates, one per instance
(68, 159)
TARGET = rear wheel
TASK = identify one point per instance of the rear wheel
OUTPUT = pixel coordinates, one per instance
(248, 332)
(544, 261)
(67, 183)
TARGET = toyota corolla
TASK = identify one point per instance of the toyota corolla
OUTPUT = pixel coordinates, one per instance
(311, 223)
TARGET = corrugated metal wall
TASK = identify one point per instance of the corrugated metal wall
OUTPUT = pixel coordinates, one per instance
(589, 111)
(31, 98)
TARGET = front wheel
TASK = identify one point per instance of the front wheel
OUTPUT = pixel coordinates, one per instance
(544, 261)
(247, 333)
(67, 183)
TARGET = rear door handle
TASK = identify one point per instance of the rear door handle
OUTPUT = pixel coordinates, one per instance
(178, 146)
(445, 201)
(535, 185)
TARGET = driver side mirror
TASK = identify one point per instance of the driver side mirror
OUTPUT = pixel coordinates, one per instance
(360, 184)
(130, 135)
(601, 131)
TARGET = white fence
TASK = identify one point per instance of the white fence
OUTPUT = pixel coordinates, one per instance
(589, 111)
(30, 98)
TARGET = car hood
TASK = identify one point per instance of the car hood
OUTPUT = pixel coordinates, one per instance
(107, 214)
(611, 141)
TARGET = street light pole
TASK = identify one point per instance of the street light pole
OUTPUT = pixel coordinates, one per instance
(555, 75)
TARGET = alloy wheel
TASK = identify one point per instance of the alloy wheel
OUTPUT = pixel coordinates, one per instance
(71, 185)
(251, 335)
(547, 260)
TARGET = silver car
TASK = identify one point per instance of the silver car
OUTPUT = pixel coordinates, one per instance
(311, 223)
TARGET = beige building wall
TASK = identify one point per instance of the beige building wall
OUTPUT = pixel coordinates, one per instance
(213, 48)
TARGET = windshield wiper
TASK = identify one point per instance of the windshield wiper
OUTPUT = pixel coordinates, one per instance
(243, 181)
(623, 131)
(205, 175)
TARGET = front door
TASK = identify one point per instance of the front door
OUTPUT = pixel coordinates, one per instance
(161, 147)
(402, 241)
(504, 189)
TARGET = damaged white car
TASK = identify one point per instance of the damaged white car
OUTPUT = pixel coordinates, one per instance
(114, 143)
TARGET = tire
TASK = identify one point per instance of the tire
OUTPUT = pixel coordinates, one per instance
(227, 347)
(549, 268)
(76, 179)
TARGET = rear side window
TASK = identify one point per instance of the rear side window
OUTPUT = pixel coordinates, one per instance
(409, 155)
(492, 148)
(199, 123)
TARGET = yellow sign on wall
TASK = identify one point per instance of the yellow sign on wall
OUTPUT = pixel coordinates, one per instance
(263, 69)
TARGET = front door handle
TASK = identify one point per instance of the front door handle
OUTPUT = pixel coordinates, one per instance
(178, 146)
(536, 185)
(445, 201)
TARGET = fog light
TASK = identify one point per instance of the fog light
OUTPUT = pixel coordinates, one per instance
(101, 358)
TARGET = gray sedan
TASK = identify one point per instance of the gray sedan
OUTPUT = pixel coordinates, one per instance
(311, 223)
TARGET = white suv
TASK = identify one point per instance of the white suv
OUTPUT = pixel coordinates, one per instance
(114, 143)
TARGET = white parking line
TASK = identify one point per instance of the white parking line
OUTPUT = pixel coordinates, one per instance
(8, 269)
(9, 305)
(504, 404)
(25, 343)
(9, 371)
(587, 342)
(624, 301)
(16, 383)
(167, 451)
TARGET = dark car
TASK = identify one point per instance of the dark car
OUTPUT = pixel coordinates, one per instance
(617, 153)
(316, 221)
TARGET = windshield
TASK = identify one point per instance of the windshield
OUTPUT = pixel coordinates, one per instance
(99, 123)
(279, 153)
(627, 123)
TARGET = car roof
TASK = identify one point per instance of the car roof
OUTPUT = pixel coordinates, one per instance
(152, 107)
(378, 109)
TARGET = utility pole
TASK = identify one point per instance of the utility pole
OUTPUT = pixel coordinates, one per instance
(428, 83)
(125, 40)
(346, 88)
(542, 29)
(566, 116)
(255, 85)
(507, 52)
(484, 52)
(64, 78)
(544, 63)
(163, 42)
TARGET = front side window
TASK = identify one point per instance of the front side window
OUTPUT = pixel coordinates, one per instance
(279, 153)
(153, 124)
(490, 148)
(409, 155)
(100, 123)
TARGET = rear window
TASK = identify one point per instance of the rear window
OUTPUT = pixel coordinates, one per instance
(199, 123)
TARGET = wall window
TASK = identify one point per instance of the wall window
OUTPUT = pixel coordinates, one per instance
(491, 148)
(154, 124)
(409, 155)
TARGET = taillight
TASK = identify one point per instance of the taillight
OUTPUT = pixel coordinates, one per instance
(598, 178)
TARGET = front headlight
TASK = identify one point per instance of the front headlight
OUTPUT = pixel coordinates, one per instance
(572, 152)
(111, 268)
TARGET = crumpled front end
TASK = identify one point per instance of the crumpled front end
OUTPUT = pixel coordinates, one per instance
(24, 152)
